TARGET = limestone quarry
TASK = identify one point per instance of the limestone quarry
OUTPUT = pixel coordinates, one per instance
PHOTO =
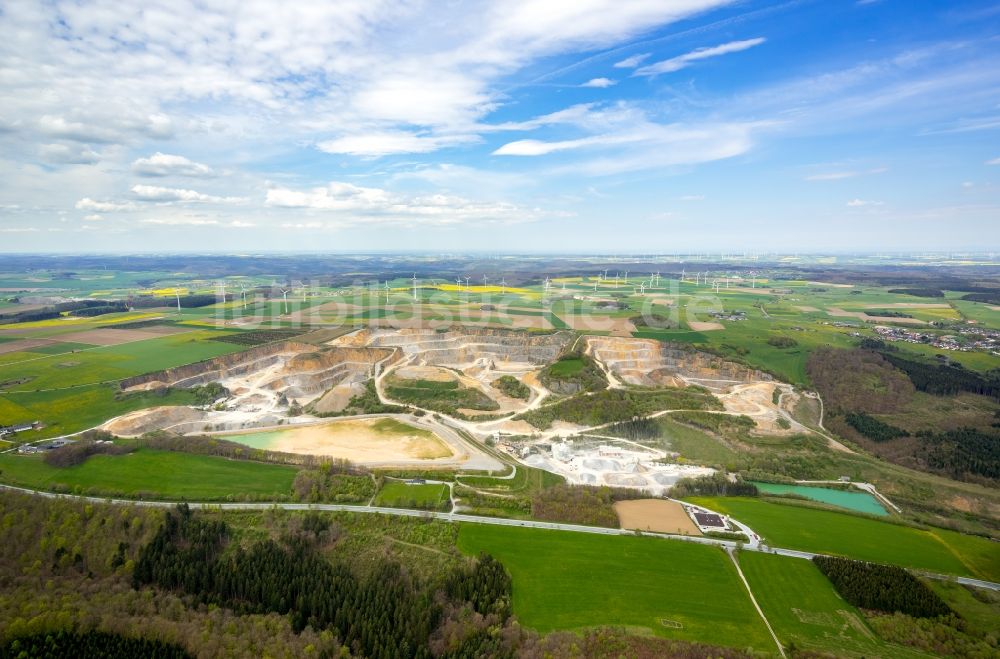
(294, 384)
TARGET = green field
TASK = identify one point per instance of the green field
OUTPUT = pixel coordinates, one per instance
(806, 612)
(398, 494)
(809, 529)
(153, 474)
(573, 581)
(566, 368)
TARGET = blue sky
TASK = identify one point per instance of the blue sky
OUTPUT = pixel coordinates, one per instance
(517, 125)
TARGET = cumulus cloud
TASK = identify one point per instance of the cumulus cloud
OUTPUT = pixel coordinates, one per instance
(857, 203)
(88, 204)
(685, 60)
(600, 83)
(157, 193)
(163, 164)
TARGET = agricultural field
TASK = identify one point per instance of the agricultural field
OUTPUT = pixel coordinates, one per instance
(812, 529)
(807, 613)
(154, 474)
(575, 581)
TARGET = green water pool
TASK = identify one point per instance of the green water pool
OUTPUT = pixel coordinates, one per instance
(851, 500)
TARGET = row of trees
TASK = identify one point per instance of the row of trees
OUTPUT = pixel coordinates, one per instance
(717, 484)
(641, 428)
(884, 588)
(385, 613)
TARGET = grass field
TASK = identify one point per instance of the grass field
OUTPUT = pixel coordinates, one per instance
(573, 581)
(397, 494)
(809, 529)
(153, 473)
(806, 612)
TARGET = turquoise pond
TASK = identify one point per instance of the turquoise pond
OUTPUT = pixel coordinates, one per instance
(862, 502)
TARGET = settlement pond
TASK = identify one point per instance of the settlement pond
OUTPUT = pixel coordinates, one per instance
(861, 502)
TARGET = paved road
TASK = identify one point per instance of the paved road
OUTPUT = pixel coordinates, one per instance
(459, 517)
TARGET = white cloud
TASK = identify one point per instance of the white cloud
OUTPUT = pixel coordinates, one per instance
(157, 193)
(162, 164)
(685, 60)
(88, 204)
(600, 83)
(632, 62)
(93, 218)
(391, 142)
(857, 203)
(629, 140)
(994, 161)
(357, 204)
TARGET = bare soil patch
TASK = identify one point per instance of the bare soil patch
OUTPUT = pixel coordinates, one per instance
(113, 337)
(909, 305)
(701, 326)
(23, 345)
(656, 515)
(807, 309)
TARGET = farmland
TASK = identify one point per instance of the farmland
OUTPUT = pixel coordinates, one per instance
(154, 474)
(806, 612)
(397, 494)
(575, 581)
(811, 529)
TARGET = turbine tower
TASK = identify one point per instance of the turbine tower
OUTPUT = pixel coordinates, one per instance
(414, 286)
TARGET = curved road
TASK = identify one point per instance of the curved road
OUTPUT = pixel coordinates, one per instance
(459, 517)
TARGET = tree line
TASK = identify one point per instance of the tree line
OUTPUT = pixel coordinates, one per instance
(581, 504)
(947, 379)
(884, 588)
(717, 484)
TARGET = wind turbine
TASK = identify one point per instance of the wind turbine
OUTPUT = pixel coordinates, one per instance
(284, 294)
(626, 277)
(467, 284)
(642, 288)
(177, 292)
(503, 285)
(387, 291)
(243, 290)
(484, 281)
(414, 286)
(682, 275)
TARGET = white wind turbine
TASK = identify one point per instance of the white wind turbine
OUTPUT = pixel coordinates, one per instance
(243, 291)
(177, 292)
(414, 286)
(387, 291)
(467, 289)
(503, 285)
(284, 294)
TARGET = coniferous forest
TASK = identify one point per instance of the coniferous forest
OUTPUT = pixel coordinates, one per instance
(884, 588)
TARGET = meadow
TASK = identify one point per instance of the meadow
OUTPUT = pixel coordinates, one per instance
(806, 612)
(150, 473)
(810, 529)
(574, 581)
(398, 494)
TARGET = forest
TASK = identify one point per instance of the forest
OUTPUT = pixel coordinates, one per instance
(872, 428)
(884, 588)
(946, 379)
(387, 613)
(89, 644)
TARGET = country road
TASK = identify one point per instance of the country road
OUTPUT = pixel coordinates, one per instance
(470, 519)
